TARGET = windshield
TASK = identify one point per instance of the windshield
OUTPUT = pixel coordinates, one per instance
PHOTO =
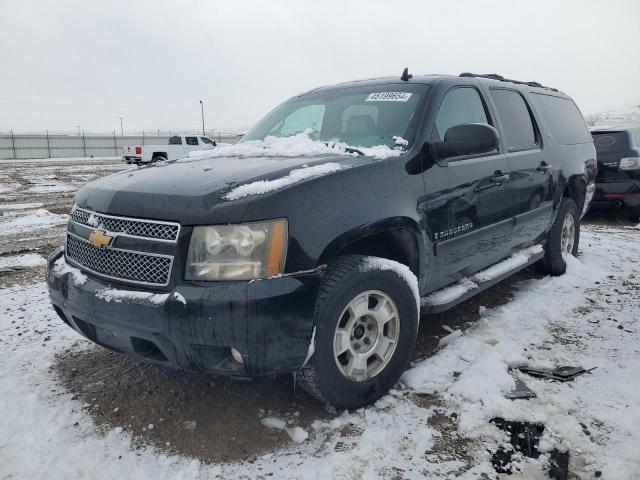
(357, 116)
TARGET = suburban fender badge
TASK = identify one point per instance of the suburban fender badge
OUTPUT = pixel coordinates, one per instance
(100, 239)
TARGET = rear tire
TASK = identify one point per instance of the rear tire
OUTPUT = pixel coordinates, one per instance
(562, 239)
(157, 158)
(366, 323)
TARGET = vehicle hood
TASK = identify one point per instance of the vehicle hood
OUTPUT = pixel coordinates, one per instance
(190, 190)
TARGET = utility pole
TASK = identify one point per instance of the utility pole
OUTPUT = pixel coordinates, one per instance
(202, 111)
(78, 127)
(121, 130)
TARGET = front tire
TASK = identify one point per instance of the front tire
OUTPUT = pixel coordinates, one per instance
(366, 323)
(562, 240)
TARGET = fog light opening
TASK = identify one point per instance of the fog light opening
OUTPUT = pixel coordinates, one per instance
(237, 356)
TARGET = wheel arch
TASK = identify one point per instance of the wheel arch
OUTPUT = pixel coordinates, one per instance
(396, 238)
(576, 189)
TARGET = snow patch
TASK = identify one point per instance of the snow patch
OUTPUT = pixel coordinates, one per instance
(297, 175)
(179, 297)
(457, 290)
(119, 296)
(51, 188)
(401, 141)
(299, 145)
(312, 347)
(34, 220)
(377, 263)
(514, 261)
(19, 206)
(4, 188)
(60, 267)
(449, 294)
(26, 260)
(297, 434)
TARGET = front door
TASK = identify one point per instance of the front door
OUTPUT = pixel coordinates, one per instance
(470, 205)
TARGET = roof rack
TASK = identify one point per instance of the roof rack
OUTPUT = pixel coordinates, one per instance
(495, 76)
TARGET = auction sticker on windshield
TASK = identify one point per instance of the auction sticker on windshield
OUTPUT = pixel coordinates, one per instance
(388, 97)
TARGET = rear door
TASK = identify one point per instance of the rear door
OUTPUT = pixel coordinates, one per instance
(532, 172)
(470, 204)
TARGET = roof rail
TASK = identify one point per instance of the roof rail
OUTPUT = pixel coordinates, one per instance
(495, 76)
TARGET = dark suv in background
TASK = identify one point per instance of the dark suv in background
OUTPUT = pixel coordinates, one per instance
(618, 180)
(251, 260)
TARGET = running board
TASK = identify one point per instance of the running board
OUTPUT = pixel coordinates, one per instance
(450, 296)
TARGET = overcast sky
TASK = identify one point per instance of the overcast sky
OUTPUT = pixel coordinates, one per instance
(66, 63)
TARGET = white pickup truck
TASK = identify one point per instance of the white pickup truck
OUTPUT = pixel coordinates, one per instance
(178, 146)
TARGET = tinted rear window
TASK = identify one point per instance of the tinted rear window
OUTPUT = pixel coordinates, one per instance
(564, 119)
(175, 141)
(610, 142)
(515, 118)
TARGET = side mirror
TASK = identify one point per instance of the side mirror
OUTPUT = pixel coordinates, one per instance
(467, 139)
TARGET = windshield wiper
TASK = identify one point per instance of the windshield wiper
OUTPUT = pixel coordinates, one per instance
(347, 149)
(353, 150)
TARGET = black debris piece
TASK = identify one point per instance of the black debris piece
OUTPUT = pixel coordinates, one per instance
(525, 438)
(559, 465)
(562, 374)
(521, 392)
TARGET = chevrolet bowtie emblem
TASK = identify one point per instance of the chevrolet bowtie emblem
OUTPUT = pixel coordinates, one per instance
(100, 239)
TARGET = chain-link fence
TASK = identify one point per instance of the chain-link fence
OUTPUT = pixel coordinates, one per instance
(21, 146)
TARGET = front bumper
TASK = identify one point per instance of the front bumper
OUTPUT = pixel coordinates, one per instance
(194, 326)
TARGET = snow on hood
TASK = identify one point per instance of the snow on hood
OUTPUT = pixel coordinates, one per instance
(295, 146)
(297, 175)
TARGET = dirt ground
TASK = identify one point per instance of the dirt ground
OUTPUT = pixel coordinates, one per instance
(209, 418)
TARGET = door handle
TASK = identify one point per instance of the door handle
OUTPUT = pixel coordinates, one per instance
(499, 177)
(544, 167)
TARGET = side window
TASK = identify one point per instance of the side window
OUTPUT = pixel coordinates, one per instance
(191, 140)
(459, 106)
(309, 116)
(175, 140)
(519, 132)
(564, 119)
(206, 141)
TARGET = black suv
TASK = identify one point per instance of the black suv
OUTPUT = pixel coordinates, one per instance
(618, 180)
(276, 258)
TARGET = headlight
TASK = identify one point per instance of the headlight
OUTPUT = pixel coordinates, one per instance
(237, 252)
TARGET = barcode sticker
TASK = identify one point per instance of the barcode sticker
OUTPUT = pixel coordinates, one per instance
(388, 97)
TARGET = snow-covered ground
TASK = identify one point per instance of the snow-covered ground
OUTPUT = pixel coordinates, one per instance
(36, 195)
(435, 424)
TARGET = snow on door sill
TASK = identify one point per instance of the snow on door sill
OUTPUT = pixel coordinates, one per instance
(457, 290)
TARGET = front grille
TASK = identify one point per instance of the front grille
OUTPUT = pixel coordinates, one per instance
(152, 229)
(136, 267)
